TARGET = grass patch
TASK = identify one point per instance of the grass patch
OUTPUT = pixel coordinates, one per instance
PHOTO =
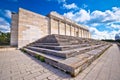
(23, 50)
(41, 58)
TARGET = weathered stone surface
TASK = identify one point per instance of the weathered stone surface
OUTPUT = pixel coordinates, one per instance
(13, 65)
(14, 30)
(75, 59)
(31, 27)
(28, 27)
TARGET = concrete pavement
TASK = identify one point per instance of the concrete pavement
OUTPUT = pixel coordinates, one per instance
(15, 65)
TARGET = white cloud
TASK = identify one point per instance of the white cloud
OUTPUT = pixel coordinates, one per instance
(115, 26)
(80, 16)
(69, 15)
(5, 13)
(96, 34)
(106, 16)
(110, 19)
(4, 25)
(96, 16)
(8, 13)
(70, 6)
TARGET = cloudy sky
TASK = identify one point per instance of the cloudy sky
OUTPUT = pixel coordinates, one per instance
(101, 16)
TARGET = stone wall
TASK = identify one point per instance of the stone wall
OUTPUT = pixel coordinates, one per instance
(54, 28)
(14, 30)
(31, 27)
(28, 27)
(62, 28)
(68, 30)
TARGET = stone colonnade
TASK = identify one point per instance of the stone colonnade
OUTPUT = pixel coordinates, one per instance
(63, 26)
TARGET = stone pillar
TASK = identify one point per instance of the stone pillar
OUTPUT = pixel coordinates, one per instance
(49, 29)
(59, 27)
(65, 28)
(14, 30)
(85, 34)
(80, 34)
(88, 34)
(74, 30)
(81, 31)
(77, 32)
(70, 29)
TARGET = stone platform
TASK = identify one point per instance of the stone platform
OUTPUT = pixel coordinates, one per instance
(70, 54)
(15, 65)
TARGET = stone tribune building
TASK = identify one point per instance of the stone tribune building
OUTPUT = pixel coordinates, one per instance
(27, 27)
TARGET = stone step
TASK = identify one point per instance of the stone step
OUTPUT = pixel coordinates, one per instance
(62, 48)
(65, 54)
(64, 40)
(73, 65)
(51, 44)
(51, 39)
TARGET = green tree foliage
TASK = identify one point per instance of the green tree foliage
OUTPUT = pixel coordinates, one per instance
(4, 38)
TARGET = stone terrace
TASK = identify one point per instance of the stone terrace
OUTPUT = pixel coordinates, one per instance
(15, 65)
(70, 54)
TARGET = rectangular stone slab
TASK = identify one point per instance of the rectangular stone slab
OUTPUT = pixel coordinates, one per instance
(73, 65)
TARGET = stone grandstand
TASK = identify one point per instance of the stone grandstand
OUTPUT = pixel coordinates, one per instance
(68, 53)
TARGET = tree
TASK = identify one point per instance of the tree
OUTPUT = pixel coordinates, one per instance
(4, 38)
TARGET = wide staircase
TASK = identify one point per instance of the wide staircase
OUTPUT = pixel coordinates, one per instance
(68, 53)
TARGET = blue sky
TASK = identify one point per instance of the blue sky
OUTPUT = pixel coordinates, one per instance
(101, 17)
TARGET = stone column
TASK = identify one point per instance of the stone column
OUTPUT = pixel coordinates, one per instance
(80, 32)
(85, 33)
(88, 34)
(77, 32)
(49, 29)
(70, 29)
(65, 28)
(59, 27)
(74, 30)
(14, 30)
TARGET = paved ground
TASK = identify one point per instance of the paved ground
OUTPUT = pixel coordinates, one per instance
(14, 65)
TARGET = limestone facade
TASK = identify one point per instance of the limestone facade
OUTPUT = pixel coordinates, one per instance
(27, 27)
(14, 30)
